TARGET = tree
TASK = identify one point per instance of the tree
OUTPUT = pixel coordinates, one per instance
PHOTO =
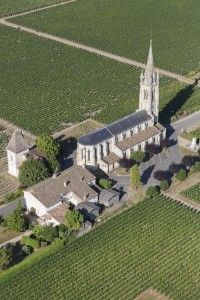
(165, 143)
(138, 156)
(174, 168)
(74, 220)
(51, 149)
(48, 146)
(126, 163)
(181, 175)
(31, 172)
(19, 207)
(6, 253)
(164, 185)
(49, 233)
(152, 191)
(151, 149)
(105, 183)
(135, 178)
(188, 160)
(159, 175)
(196, 167)
(16, 222)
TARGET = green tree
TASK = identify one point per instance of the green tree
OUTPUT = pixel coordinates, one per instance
(37, 230)
(152, 191)
(105, 183)
(74, 220)
(135, 178)
(16, 222)
(31, 172)
(19, 207)
(49, 233)
(51, 149)
(181, 175)
(48, 146)
(164, 185)
(6, 253)
(138, 156)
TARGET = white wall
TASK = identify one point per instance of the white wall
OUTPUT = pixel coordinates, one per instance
(31, 201)
(14, 161)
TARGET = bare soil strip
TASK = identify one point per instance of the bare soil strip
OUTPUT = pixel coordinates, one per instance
(94, 50)
(151, 294)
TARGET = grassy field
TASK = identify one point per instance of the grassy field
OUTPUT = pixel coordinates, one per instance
(192, 193)
(10, 7)
(125, 27)
(156, 243)
(46, 86)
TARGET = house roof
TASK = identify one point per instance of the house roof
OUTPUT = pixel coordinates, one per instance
(106, 195)
(89, 206)
(59, 212)
(35, 153)
(50, 191)
(137, 138)
(111, 158)
(17, 142)
(100, 135)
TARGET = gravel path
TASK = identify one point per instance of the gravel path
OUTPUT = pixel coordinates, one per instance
(17, 238)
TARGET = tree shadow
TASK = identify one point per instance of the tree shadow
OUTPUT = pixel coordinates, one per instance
(147, 174)
(176, 103)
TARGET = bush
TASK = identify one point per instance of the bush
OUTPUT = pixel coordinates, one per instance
(138, 156)
(16, 222)
(3, 223)
(196, 167)
(28, 241)
(105, 183)
(27, 250)
(6, 254)
(181, 175)
(160, 175)
(10, 197)
(164, 185)
(49, 233)
(152, 191)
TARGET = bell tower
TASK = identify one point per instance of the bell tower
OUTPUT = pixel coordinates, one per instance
(149, 88)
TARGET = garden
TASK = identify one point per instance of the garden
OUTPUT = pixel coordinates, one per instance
(153, 244)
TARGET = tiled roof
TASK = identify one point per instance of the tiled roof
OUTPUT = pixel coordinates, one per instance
(106, 195)
(50, 191)
(137, 138)
(160, 127)
(17, 142)
(111, 158)
(114, 128)
(59, 212)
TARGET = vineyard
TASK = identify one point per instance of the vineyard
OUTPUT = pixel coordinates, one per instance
(4, 139)
(192, 193)
(155, 243)
(10, 7)
(46, 86)
(125, 27)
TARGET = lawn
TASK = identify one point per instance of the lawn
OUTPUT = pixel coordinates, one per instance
(9, 7)
(155, 243)
(125, 28)
(46, 86)
(6, 235)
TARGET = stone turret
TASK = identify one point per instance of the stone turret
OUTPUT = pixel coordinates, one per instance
(149, 88)
(16, 152)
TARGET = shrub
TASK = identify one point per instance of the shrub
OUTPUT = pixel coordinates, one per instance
(196, 167)
(181, 175)
(27, 250)
(152, 191)
(164, 185)
(159, 175)
(174, 168)
(188, 160)
(3, 223)
(138, 156)
(10, 197)
(28, 241)
(105, 183)
(49, 233)
(16, 222)
(6, 254)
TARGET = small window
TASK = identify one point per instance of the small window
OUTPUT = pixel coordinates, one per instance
(81, 153)
(88, 154)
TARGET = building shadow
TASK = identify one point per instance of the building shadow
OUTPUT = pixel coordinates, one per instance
(147, 174)
(176, 103)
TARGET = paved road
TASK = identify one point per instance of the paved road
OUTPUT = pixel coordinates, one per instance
(94, 50)
(7, 209)
(174, 154)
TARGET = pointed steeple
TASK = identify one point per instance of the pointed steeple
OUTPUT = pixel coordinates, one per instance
(150, 65)
(17, 142)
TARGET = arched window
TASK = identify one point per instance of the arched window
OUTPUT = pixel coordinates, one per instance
(88, 154)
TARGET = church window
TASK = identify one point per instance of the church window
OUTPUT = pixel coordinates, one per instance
(116, 139)
(81, 153)
(153, 139)
(146, 125)
(145, 94)
(139, 146)
(88, 154)
(124, 136)
(131, 132)
(108, 148)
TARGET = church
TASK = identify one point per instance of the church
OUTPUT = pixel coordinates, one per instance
(103, 148)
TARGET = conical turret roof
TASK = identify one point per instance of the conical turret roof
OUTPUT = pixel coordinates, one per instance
(17, 142)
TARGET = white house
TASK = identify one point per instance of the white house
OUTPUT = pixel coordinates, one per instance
(17, 149)
(104, 147)
(50, 198)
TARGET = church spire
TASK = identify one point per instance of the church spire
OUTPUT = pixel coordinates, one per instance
(150, 65)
